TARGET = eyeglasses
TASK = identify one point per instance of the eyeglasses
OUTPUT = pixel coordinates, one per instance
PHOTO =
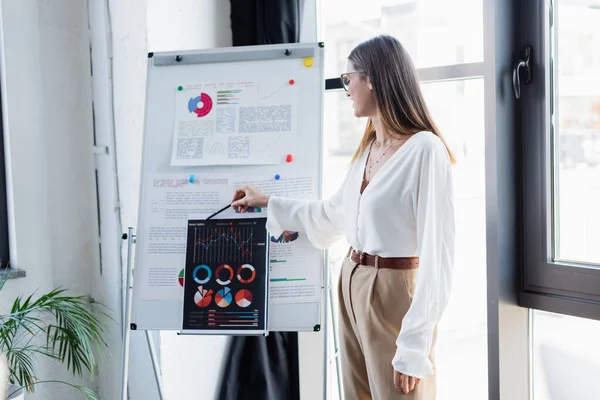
(345, 80)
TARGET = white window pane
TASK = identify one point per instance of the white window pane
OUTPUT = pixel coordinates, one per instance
(434, 32)
(457, 108)
(577, 194)
(566, 357)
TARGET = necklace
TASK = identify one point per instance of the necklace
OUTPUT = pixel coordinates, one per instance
(371, 164)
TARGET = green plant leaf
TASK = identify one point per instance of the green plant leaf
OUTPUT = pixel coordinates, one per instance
(88, 393)
(21, 365)
(73, 329)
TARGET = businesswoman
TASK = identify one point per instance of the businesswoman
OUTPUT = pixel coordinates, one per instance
(396, 210)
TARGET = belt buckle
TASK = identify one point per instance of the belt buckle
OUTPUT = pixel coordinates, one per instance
(361, 258)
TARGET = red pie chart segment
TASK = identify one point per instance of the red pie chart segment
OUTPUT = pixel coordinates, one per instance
(243, 298)
(203, 297)
(206, 105)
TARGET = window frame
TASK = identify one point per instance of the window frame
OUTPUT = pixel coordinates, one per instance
(4, 229)
(571, 288)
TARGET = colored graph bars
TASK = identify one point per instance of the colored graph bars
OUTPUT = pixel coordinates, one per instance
(230, 319)
(231, 243)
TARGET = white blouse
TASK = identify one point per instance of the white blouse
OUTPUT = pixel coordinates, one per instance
(407, 209)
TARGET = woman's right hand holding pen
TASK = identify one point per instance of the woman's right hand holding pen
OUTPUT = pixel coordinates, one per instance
(248, 196)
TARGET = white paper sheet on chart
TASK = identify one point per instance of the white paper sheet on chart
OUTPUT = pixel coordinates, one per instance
(295, 265)
(171, 200)
(235, 123)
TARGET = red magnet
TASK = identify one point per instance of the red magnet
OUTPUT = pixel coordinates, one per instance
(289, 158)
(292, 82)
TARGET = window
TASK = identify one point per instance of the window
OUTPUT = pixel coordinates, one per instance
(560, 126)
(457, 107)
(566, 357)
(577, 140)
(434, 32)
(445, 41)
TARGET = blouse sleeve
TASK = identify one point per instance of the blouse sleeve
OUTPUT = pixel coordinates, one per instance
(435, 239)
(321, 220)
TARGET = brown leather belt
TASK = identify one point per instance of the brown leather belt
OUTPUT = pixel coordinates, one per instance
(383, 262)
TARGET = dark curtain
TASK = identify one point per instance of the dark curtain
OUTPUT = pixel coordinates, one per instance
(258, 367)
(255, 22)
(262, 368)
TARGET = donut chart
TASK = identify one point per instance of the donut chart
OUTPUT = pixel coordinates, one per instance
(243, 298)
(200, 110)
(218, 274)
(252, 273)
(208, 274)
(223, 298)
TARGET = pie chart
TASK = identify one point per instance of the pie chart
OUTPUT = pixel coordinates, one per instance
(243, 298)
(181, 277)
(201, 105)
(203, 297)
(223, 297)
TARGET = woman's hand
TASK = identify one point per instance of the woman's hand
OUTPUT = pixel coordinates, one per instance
(405, 383)
(248, 196)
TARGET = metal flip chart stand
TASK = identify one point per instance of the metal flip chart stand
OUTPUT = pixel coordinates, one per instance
(130, 237)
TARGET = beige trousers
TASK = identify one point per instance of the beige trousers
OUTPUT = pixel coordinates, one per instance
(373, 302)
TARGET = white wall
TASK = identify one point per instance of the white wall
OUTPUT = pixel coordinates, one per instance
(188, 24)
(50, 166)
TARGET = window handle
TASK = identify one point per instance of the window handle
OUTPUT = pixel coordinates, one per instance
(526, 65)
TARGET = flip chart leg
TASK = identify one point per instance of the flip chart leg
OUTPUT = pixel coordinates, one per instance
(155, 365)
(126, 328)
(334, 331)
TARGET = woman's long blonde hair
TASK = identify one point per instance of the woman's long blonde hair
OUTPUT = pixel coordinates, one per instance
(396, 89)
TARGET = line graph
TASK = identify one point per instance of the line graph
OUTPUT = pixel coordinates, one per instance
(228, 242)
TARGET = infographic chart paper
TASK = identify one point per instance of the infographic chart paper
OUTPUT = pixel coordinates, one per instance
(234, 123)
(226, 276)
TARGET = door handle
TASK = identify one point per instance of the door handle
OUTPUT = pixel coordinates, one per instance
(526, 66)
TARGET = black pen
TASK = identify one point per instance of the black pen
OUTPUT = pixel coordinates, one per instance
(220, 211)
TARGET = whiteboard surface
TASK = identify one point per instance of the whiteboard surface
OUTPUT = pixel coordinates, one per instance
(155, 304)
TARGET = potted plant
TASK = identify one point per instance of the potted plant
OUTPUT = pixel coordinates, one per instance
(65, 328)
